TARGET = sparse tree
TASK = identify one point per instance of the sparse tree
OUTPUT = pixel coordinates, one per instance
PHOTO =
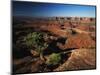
(36, 40)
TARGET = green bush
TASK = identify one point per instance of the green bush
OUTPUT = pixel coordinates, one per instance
(53, 59)
(36, 40)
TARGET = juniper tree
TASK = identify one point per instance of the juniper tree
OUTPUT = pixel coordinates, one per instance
(35, 39)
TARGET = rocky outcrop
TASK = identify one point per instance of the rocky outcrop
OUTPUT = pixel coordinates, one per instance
(80, 59)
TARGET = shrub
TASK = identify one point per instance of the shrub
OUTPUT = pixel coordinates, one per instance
(53, 59)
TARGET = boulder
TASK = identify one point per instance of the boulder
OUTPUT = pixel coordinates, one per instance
(34, 53)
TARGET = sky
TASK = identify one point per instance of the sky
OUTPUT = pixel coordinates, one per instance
(34, 9)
